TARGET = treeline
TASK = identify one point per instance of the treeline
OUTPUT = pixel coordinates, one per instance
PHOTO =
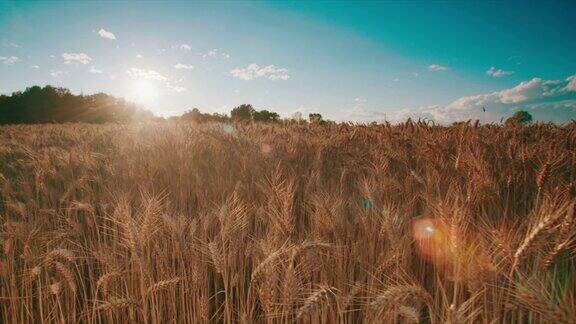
(244, 113)
(50, 104)
(58, 105)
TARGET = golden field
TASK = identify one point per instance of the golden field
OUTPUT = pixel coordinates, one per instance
(278, 223)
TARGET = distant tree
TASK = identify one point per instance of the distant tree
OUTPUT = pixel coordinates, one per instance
(57, 105)
(520, 117)
(297, 116)
(193, 115)
(315, 117)
(265, 116)
(216, 117)
(243, 112)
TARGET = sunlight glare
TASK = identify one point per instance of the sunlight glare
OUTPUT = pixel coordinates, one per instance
(143, 92)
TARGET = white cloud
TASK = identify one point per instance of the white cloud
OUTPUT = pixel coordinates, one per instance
(437, 67)
(106, 34)
(139, 56)
(151, 75)
(253, 71)
(82, 58)
(181, 66)
(526, 90)
(137, 73)
(9, 60)
(94, 70)
(361, 114)
(34, 66)
(57, 73)
(12, 45)
(571, 86)
(215, 53)
(551, 100)
(175, 87)
(494, 72)
(185, 47)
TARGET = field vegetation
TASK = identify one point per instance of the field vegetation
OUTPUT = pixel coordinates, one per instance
(287, 223)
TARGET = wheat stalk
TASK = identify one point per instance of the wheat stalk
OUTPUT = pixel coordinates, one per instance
(314, 301)
(67, 275)
(118, 303)
(160, 285)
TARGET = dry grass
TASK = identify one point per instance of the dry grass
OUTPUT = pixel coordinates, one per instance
(163, 223)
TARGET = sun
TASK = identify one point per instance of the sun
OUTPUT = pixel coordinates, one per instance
(143, 92)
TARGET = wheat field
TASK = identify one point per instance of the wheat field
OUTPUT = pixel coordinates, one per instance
(288, 223)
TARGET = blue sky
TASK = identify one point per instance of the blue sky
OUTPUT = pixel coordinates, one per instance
(359, 61)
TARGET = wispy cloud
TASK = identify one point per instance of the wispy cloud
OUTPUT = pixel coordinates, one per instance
(82, 58)
(553, 100)
(11, 45)
(9, 60)
(94, 70)
(494, 72)
(182, 66)
(215, 53)
(175, 87)
(34, 66)
(151, 75)
(254, 71)
(516, 59)
(106, 34)
(139, 56)
(361, 113)
(145, 74)
(57, 73)
(185, 47)
(437, 67)
(571, 86)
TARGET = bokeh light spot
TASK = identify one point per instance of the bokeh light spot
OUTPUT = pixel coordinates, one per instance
(228, 129)
(367, 203)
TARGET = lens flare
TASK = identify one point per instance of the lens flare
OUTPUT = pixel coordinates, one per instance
(228, 129)
(431, 239)
(456, 254)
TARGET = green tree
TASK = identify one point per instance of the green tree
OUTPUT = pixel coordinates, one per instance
(193, 115)
(520, 117)
(58, 105)
(315, 117)
(243, 112)
(265, 116)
